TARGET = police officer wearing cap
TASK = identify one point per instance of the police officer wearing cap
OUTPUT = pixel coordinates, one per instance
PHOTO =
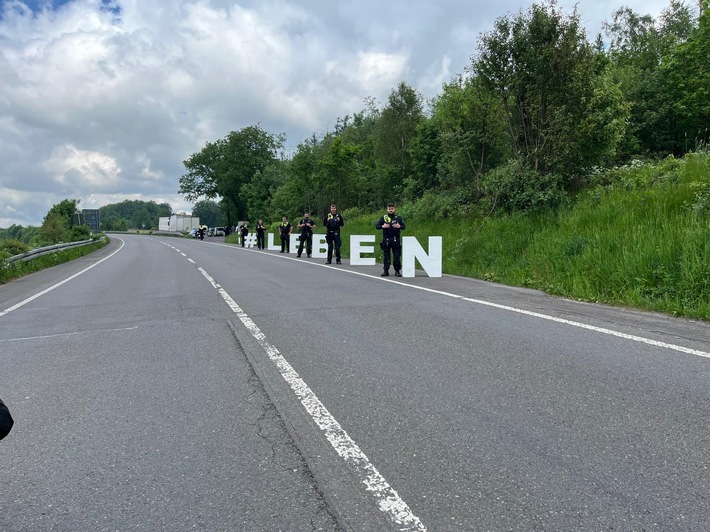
(333, 221)
(391, 224)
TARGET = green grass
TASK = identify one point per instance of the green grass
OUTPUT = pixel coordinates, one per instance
(18, 269)
(639, 239)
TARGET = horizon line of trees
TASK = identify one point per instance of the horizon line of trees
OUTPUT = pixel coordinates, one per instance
(538, 109)
(60, 222)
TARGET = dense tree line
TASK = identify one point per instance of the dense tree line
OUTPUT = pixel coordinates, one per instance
(19, 233)
(537, 110)
(133, 214)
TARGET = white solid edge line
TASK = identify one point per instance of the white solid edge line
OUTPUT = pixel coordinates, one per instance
(385, 496)
(60, 283)
(581, 325)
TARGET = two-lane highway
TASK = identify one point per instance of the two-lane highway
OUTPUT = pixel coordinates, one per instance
(146, 389)
(135, 409)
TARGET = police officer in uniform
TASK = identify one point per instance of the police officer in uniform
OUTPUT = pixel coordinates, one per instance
(285, 230)
(244, 232)
(333, 222)
(260, 230)
(391, 224)
(306, 226)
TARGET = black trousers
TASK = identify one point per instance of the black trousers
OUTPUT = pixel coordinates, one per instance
(260, 240)
(393, 247)
(333, 240)
(308, 241)
(286, 244)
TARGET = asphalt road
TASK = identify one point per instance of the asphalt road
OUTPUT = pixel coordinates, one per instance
(179, 385)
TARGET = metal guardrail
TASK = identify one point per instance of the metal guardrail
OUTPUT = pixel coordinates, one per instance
(33, 254)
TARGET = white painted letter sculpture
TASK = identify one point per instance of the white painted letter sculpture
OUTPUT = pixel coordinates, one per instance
(364, 245)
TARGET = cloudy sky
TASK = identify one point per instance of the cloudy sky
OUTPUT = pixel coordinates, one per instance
(102, 100)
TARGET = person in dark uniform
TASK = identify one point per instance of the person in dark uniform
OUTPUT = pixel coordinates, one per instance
(6, 421)
(260, 231)
(306, 226)
(244, 232)
(333, 222)
(285, 230)
(391, 224)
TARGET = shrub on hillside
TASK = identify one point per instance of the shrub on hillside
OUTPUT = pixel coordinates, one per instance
(513, 187)
(13, 247)
(440, 205)
(80, 232)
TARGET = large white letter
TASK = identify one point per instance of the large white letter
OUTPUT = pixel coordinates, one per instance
(293, 243)
(270, 243)
(411, 250)
(320, 247)
(357, 248)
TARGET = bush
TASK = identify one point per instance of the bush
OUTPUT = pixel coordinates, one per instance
(515, 188)
(440, 205)
(700, 202)
(13, 247)
(80, 232)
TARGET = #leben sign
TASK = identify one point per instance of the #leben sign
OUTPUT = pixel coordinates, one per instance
(362, 249)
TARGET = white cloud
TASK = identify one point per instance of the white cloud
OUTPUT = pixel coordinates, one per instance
(77, 169)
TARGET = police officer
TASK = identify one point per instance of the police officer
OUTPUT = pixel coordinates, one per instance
(285, 230)
(260, 231)
(306, 226)
(333, 221)
(244, 232)
(391, 224)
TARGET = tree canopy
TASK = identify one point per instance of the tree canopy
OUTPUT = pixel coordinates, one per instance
(537, 112)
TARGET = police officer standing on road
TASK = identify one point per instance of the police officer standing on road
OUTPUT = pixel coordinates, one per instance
(260, 230)
(306, 226)
(391, 224)
(285, 230)
(333, 221)
(244, 232)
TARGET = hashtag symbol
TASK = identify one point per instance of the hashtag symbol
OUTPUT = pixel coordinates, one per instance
(250, 240)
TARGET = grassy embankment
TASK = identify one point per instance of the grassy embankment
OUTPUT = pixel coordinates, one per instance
(17, 269)
(639, 238)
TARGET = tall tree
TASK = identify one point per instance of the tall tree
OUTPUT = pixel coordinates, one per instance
(563, 112)
(337, 174)
(395, 130)
(223, 167)
(685, 82)
(209, 213)
(637, 46)
(258, 192)
(300, 193)
(472, 128)
(58, 221)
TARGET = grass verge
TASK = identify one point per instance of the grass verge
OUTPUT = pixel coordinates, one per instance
(10, 271)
